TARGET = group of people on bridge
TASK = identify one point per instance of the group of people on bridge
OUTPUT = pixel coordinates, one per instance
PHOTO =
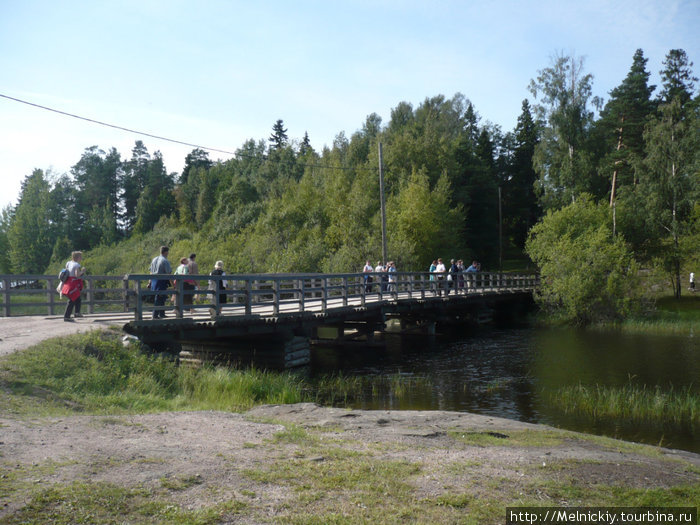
(442, 278)
(188, 266)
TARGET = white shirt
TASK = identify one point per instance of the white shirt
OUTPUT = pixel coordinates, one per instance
(73, 268)
(440, 268)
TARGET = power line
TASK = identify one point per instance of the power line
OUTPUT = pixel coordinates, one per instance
(238, 154)
(115, 126)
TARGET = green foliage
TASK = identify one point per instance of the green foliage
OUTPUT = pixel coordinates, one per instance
(31, 234)
(586, 272)
(95, 373)
(280, 206)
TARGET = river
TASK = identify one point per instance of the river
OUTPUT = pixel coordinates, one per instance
(512, 373)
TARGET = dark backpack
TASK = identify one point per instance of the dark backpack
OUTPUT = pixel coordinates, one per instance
(63, 275)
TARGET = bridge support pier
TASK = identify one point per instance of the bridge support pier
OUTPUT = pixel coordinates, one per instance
(273, 353)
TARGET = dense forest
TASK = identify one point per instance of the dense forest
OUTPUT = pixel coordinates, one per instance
(587, 189)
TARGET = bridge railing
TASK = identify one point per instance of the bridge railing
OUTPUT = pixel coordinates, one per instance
(34, 294)
(267, 294)
(272, 294)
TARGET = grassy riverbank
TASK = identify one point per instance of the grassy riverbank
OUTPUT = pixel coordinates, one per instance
(670, 316)
(164, 446)
(94, 373)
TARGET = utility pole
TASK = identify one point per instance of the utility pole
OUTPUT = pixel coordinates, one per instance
(383, 208)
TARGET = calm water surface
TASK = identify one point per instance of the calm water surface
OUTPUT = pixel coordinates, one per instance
(511, 373)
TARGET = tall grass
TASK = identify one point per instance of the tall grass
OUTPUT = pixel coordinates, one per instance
(631, 403)
(671, 316)
(93, 372)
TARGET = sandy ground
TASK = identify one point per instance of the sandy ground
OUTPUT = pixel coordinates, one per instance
(219, 450)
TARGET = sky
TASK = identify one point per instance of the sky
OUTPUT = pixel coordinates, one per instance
(215, 73)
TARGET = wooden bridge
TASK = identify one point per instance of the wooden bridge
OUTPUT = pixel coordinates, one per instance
(272, 319)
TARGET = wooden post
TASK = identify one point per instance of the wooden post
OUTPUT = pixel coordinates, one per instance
(302, 284)
(345, 290)
(89, 294)
(215, 298)
(248, 296)
(138, 314)
(125, 292)
(6, 294)
(276, 297)
(50, 294)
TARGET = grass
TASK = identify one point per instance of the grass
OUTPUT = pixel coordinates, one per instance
(671, 317)
(90, 503)
(94, 373)
(324, 476)
(631, 403)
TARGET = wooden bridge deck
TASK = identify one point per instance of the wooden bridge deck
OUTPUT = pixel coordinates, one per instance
(272, 319)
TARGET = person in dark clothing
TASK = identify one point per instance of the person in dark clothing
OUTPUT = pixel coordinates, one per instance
(160, 266)
(218, 284)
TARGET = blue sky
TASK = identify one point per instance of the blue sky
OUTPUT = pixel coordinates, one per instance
(216, 73)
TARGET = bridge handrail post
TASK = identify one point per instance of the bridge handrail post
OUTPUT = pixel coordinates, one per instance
(179, 297)
(345, 290)
(276, 297)
(324, 293)
(363, 291)
(6, 293)
(50, 291)
(216, 297)
(89, 295)
(248, 296)
(302, 294)
(125, 292)
(138, 313)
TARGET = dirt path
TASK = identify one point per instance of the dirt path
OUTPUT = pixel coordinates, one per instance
(17, 333)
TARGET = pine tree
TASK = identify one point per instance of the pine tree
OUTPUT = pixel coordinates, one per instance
(278, 139)
(677, 77)
(521, 210)
(622, 124)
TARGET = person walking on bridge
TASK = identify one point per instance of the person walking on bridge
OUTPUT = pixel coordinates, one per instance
(367, 270)
(440, 272)
(73, 286)
(160, 266)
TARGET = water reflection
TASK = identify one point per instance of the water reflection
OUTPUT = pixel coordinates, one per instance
(511, 373)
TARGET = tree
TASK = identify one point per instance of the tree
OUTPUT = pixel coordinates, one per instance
(561, 161)
(421, 223)
(5, 221)
(97, 178)
(134, 180)
(305, 146)
(622, 125)
(586, 273)
(30, 235)
(521, 210)
(197, 158)
(278, 139)
(670, 183)
(157, 198)
(677, 77)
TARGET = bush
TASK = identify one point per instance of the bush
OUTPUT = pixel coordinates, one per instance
(587, 274)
